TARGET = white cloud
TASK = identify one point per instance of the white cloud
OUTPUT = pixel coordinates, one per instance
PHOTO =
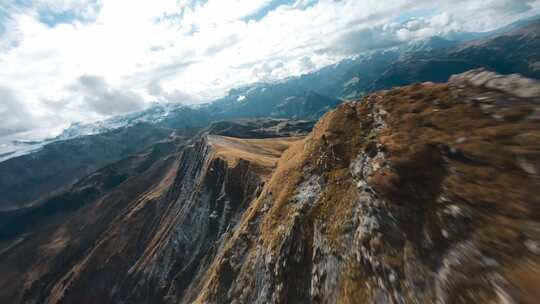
(14, 116)
(192, 50)
(98, 96)
(440, 20)
(156, 90)
(217, 12)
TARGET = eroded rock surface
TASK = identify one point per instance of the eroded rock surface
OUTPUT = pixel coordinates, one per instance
(148, 239)
(421, 194)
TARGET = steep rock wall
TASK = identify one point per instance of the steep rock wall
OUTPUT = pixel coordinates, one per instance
(149, 238)
(421, 194)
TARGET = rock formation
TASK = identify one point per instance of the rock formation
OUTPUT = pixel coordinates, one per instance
(421, 194)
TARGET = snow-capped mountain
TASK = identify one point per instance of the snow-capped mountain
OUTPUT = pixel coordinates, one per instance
(153, 114)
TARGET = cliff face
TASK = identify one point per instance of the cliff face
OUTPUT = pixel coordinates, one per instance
(421, 194)
(146, 240)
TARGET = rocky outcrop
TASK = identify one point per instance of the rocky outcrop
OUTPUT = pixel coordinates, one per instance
(514, 85)
(217, 179)
(421, 194)
(149, 237)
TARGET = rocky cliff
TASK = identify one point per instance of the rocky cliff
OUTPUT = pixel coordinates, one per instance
(420, 194)
(145, 240)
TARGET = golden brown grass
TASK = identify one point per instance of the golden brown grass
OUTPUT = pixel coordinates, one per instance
(261, 153)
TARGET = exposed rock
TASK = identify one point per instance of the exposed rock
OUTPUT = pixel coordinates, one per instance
(145, 243)
(514, 85)
(420, 194)
(421, 203)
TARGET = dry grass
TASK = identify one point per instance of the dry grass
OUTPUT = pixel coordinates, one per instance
(261, 153)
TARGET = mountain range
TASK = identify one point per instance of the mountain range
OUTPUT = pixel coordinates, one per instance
(397, 197)
(512, 49)
(306, 97)
(403, 175)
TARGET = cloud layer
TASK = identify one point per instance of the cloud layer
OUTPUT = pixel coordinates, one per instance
(68, 60)
(14, 117)
(98, 96)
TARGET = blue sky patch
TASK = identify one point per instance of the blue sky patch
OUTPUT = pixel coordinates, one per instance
(54, 18)
(54, 13)
(257, 16)
(404, 17)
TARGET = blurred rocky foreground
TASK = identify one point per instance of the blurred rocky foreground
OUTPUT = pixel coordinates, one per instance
(422, 194)
(428, 193)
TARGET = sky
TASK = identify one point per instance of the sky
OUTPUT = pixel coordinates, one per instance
(63, 61)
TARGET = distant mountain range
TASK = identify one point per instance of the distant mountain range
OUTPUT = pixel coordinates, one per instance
(516, 49)
(511, 49)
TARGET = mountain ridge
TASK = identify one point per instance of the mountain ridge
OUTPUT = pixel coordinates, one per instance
(348, 79)
(399, 197)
